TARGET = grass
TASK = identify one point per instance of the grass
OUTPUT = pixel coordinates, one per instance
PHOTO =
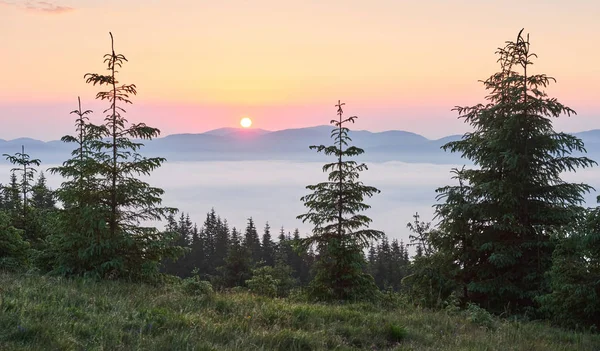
(45, 313)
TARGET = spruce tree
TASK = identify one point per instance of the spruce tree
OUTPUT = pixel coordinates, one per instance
(252, 243)
(340, 233)
(124, 247)
(237, 266)
(42, 197)
(12, 200)
(516, 197)
(457, 229)
(398, 266)
(268, 247)
(25, 165)
(78, 243)
(300, 259)
(222, 234)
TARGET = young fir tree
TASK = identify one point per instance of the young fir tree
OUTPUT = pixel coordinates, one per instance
(78, 244)
(421, 237)
(340, 233)
(126, 247)
(25, 165)
(517, 199)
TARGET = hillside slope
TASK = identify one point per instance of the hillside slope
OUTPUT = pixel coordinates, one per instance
(41, 313)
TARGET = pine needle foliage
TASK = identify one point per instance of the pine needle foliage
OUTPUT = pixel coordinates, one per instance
(516, 199)
(340, 232)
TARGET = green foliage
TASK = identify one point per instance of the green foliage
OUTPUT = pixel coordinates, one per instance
(480, 316)
(388, 264)
(14, 250)
(236, 270)
(340, 233)
(263, 282)
(429, 284)
(575, 277)
(497, 224)
(195, 286)
(430, 281)
(272, 280)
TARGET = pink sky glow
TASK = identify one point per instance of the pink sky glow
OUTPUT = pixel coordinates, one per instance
(205, 65)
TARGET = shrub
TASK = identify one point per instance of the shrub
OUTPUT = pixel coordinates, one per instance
(197, 287)
(262, 282)
(480, 317)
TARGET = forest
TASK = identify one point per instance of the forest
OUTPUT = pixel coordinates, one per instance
(510, 240)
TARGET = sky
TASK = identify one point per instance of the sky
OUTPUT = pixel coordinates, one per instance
(201, 65)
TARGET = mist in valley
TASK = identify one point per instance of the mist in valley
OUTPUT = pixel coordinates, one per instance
(271, 190)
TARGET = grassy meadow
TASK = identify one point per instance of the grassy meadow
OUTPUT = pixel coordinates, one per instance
(47, 313)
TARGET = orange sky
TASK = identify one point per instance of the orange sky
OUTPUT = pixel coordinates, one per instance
(201, 65)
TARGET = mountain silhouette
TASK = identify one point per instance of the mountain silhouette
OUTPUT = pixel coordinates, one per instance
(229, 144)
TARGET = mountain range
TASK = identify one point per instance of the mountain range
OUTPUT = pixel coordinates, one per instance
(228, 144)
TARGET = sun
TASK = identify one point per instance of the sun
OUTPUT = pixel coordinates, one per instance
(246, 122)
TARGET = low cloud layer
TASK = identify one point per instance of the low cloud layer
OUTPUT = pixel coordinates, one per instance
(271, 190)
(49, 7)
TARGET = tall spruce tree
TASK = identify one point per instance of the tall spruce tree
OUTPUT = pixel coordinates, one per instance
(122, 246)
(516, 199)
(340, 233)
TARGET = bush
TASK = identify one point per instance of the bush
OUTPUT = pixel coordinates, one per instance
(197, 287)
(392, 299)
(262, 282)
(480, 317)
(431, 281)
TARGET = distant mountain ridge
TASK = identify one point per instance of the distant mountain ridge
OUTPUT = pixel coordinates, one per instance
(228, 144)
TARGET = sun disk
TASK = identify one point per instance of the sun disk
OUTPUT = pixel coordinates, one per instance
(246, 122)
